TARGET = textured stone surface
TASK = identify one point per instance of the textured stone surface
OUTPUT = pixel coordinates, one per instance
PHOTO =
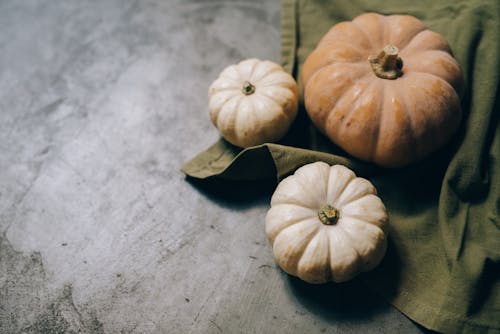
(101, 102)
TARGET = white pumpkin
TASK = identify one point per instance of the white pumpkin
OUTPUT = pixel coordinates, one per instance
(325, 224)
(253, 102)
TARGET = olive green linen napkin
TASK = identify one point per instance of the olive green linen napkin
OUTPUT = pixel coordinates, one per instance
(443, 264)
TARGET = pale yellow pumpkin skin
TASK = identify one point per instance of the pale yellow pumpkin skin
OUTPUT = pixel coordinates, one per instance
(389, 122)
(253, 102)
(319, 251)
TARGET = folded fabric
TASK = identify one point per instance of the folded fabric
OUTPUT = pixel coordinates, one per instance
(443, 264)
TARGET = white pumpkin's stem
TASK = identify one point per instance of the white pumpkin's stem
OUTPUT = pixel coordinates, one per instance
(248, 88)
(328, 215)
(387, 64)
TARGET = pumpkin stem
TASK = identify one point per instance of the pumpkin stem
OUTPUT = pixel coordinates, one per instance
(248, 88)
(328, 215)
(387, 64)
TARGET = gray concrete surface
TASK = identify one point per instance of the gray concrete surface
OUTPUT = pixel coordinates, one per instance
(100, 104)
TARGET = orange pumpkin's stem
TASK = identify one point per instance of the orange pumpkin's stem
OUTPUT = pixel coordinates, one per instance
(387, 64)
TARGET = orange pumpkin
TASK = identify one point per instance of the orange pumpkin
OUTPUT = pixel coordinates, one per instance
(384, 88)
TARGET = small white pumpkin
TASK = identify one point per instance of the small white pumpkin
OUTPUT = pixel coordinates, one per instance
(325, 224)
(253, 102)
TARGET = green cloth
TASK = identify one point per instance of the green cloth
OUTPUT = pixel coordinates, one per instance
(442, 268)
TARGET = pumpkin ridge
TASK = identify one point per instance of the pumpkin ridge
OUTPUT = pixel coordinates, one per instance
(225, 89)
(230, 73)
(343, 44)
(342, 127)
(273, 69)
(328, 177)
(342, 274)
(275, 221)
(377, 30)
(245, 76)
(366, 263)
(220, 80)
(424, 45)
(435, 75)
(363, 31)
(214, 113)
(280, 84)
(418, 53)
(381, 100)
(234, 119)
(422, 28)
(329, 276)
(450, 87)
(304, 180)
(361, 217)
(415, 147)
(275, 78)
(276, 87)
(230, 113)
(309, 238)
(352, 220)
(397, 143)
(341, 173)
(342, 176)
(311, 220)
(353, 245)
(305, 189)
(455, 96)
(289, 191)
(335, 201)
(358, 196)
(280, 108)
(310, 214)
(290, 224)
(330, 64)
(438, 77)
(294, 201)
(352, 241)
(343, 94)
(304, 242)
(380, 111)
(250, 73)
(385, 37)
(395, 150)
(402, 47)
